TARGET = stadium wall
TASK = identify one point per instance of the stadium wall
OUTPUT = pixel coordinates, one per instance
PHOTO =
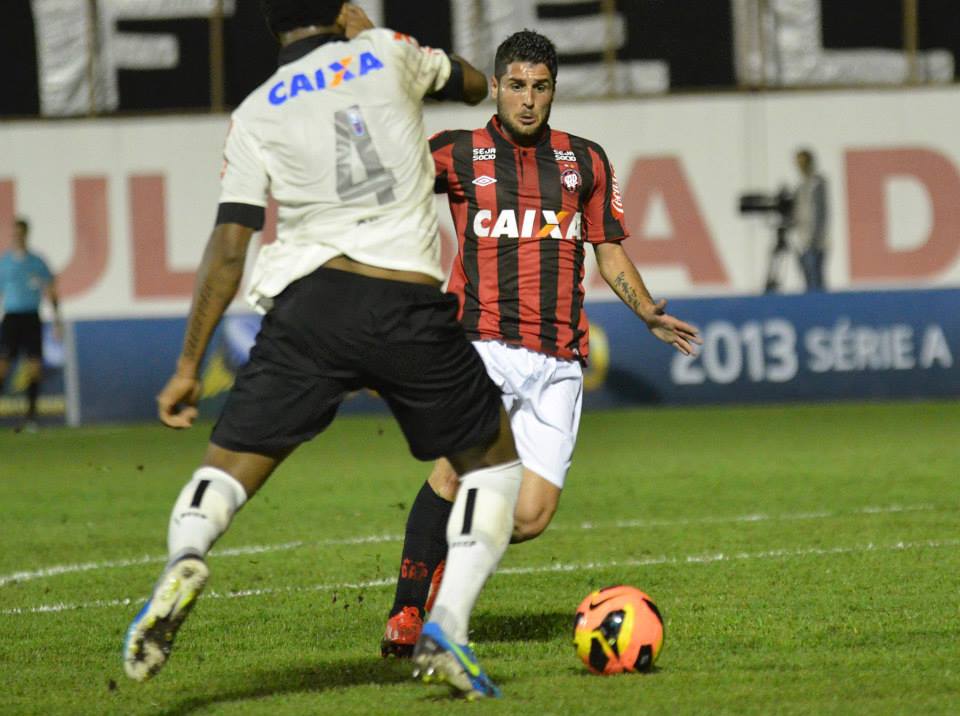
(757, 349)
(122, 209)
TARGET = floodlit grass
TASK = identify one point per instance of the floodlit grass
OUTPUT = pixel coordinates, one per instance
(805, 560)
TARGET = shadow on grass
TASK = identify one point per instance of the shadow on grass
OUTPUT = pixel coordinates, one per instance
(298, 680)
(520, 627)
(313, 680)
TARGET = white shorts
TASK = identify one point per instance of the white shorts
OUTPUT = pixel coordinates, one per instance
(543, 396)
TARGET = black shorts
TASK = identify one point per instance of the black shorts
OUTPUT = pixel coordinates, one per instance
(21, 332)
(334, 332)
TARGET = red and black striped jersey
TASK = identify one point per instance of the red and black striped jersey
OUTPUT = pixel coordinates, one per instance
(522, 215)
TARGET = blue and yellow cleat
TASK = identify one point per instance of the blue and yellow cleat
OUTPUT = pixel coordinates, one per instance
(440, 660)
(149, 638)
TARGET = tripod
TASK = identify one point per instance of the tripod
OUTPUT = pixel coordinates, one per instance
(777, 256)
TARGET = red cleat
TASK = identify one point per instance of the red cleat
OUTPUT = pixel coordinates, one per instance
(403, 630)
(435, 581)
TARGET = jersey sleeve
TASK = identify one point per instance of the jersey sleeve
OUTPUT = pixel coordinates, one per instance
(426, 68)
(244, 179)
(441, 147)
(43, 271)
(603, 213)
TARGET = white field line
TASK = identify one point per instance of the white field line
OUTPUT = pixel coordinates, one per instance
(27, 576)
(55, 570)
(557, 567)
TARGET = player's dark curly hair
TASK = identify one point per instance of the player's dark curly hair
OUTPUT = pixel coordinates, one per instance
(285, 15)
(526, 46)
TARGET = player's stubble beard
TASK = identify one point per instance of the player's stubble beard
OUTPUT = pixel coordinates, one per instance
(524, 136)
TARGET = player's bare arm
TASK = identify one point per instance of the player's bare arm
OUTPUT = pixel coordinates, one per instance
(218, 279)
(354, 20)
(622, 276)
(475, 86)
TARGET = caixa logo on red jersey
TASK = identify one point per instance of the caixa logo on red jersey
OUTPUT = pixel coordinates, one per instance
(532, 224)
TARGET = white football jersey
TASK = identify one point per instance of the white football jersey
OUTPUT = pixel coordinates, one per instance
(337, 138)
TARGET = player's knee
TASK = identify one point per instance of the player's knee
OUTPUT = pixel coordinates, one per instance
(531, 520)
(444, 480)
(504, 448)
(500, 450)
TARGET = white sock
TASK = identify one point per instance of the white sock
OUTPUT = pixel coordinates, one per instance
(203, 512)
(478, 533)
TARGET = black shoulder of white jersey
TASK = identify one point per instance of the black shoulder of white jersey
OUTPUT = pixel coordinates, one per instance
(453, 90)
(247, 215)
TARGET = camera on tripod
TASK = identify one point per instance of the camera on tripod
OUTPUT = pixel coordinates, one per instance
(779, 206)
(780, 203)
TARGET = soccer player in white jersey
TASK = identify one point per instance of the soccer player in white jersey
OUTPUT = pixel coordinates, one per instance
(351, 295)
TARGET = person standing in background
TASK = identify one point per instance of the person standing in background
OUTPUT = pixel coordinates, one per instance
(809, 227)
(25, 279)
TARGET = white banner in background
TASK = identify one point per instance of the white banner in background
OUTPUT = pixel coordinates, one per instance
(780, 44)
(123, 207)
(63, 46)
(479, 26)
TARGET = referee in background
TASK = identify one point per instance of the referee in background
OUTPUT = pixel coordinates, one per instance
(24, 280)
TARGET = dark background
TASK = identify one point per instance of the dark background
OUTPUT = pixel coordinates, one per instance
(694, 36)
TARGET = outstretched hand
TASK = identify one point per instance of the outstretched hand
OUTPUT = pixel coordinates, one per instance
(672, 330)
(177, 402)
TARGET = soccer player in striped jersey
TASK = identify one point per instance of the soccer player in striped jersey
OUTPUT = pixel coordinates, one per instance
(525, 200)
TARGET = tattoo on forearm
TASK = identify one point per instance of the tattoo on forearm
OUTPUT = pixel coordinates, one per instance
(626, 292)
(191, 343)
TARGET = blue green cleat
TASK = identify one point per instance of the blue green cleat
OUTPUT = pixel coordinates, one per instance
(150, 636)
(438, 659)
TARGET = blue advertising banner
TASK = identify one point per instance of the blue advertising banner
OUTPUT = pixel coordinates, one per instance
(817, 346)
(123, 364)
(827, 346)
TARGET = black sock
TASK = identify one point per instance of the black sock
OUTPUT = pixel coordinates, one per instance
(33, 390)
(424, 547)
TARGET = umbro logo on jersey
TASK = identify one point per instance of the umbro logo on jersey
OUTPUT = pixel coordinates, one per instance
(483, 154)
(484, 180)
(339, 72)
(563, 156)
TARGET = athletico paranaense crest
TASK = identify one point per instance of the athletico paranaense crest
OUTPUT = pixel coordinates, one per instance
(571, 181)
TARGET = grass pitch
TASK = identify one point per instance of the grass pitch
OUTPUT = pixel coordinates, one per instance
(805, 560)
